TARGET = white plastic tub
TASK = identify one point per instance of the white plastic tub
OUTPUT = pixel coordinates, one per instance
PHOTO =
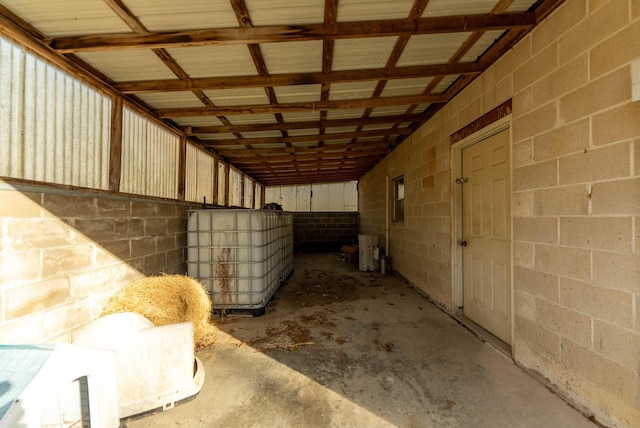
(241, 256)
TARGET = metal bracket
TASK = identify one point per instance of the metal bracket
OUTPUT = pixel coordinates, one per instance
(462, 180)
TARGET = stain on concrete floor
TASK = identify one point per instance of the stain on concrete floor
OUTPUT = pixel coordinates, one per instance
(344, 348)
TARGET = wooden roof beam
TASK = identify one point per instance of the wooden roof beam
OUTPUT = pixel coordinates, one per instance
(306, 107)
(306, 138)
(314, 124)
(290, 33)
(289, 79)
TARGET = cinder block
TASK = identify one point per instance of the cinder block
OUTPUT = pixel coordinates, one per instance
(67, 206)
(602, 93)
(626, 119)
(566, 200)
(601, 371)
(535, 176)
(514, 58)
(65, 260)
(120, 249)
(35, 234)
(595, 165)
(165, 243)
(635, 9)
(537, 67)
(540, 284)
(565, 322)
(143, 247)
(428, 182)
(65, 318)
(522, 203)
(136, 228)
(523, 254)
(166, 210)
(155, 263)
(602, 303)
(524, 305)
(20, 267)
(85, 283)
(616, 197)
(536, 229)
(143, 209)
(35, 297)
(565, 17)
(564, 261)
(155, 226)
(522, 102)
(96, 229)
(618, 344)
(561, 81)
(566, 139)
(538, 338)
(17, 204)
(599, 233)
(619, 271)
(615, 51)
(596, 27)
(471, 112)
(498, 93)
(522, 153)
(113, 207)
(22, 330)
(535, 122)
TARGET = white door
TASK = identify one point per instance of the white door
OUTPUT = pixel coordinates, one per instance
(486, 234)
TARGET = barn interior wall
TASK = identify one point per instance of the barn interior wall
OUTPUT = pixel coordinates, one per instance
(63, 253)
(324, 231)
(575, 202)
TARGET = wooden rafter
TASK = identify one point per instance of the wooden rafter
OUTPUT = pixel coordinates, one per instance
(307, 138)
(294, 33)
(288, 79)
(315, 124)
(308, 106)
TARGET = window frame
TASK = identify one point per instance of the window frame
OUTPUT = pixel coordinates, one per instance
(398, 199)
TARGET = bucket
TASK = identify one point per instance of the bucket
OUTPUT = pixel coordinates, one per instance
(383, 265)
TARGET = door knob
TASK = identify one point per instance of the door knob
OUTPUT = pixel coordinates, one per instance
(462, 243)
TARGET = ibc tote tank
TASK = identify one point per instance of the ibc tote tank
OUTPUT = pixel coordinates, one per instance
(241, 256)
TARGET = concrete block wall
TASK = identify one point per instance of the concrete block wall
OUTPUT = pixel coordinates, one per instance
(64, 253)
(575, 202)
(322, 231)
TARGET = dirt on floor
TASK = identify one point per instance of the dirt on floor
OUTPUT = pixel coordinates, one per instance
(338, 347)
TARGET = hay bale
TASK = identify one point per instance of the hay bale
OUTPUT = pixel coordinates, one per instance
(167, 299)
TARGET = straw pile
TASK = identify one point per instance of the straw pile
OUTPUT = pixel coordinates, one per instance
(167, 299)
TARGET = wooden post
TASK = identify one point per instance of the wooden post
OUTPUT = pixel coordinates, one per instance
(115, 148)
(216, 165)
(182, 169)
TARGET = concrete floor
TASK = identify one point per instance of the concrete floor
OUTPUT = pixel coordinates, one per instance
(344, 348)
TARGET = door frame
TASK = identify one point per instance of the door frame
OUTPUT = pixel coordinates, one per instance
(457, 292)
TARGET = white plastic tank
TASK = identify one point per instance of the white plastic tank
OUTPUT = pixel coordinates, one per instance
(241, 256)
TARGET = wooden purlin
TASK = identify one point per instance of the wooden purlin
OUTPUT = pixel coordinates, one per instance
(294, 33)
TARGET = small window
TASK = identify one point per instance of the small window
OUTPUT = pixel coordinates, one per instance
(398, 199)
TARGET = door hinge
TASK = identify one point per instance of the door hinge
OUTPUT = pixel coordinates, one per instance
(462, 180)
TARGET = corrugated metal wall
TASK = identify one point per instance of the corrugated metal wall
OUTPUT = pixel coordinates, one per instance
(53, 127)
(200, 175)
(248, 192)
(150, 157)
(333, 197)
(222, 181)
(235, 188)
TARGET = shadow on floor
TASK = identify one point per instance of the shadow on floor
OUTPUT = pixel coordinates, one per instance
(340, 347)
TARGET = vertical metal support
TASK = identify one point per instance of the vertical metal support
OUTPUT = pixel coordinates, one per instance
(216, 165)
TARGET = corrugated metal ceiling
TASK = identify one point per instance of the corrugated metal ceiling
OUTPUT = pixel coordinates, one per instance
(277, 76)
